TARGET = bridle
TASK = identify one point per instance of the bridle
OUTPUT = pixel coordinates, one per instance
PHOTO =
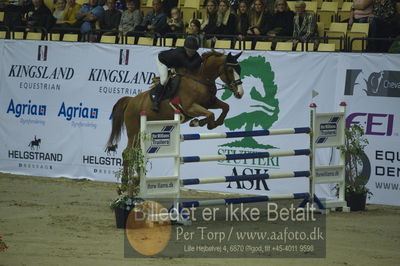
(211, 84)
(236, 82)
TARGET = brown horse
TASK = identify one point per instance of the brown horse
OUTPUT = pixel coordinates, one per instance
(197, 93)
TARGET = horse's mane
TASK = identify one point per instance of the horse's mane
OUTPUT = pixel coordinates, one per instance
(211, 53)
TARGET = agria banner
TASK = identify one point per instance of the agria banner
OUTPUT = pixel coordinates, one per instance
(56, 100)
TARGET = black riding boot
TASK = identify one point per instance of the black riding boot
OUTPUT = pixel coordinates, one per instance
(157, 97)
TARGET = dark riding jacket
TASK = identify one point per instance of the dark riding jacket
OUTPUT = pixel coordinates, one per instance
(176, 58)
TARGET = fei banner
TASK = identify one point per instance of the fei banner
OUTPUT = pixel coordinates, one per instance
(370, 84)
(56, 100)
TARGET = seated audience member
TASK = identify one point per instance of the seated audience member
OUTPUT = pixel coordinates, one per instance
(87, 17)
(242, 18)
(155, 21)
(258, 19)
(194, 30)
(209, 25)
(226, 21)
(13, 13)
(37, 14)
(112, 17)
(168, 5)
(130, 18)
(281, 23)
(361, 11)
(58, 13)
(304, 25)
(175, 22)
(382, 25)
(70, 11)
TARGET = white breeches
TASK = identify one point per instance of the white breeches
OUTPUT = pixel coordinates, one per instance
(163, 71)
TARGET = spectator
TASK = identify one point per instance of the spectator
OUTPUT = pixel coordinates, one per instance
(130, 18)
(154, 21)
(175, 22)
(226, 21)
(87, 17)
(111, 19)
(281, 21)
(304, 25)
(270, 6)
(258, 19)
(382, 25)
(209, 25)
(242, 24)
(70, 12)
(168, 5)
(58, 13)
(37, 14)
(13, 13)
(194, 30)
(361, 11)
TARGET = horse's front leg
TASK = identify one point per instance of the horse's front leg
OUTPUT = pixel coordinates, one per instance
(197, 110)
(218, 104)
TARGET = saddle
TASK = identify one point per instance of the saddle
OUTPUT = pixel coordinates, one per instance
(171, 87)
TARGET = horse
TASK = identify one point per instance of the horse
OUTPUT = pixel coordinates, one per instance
(196, 93)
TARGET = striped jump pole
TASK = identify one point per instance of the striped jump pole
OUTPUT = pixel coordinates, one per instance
(222, 179)
(214, 202)
(240, 134)
(228, 157)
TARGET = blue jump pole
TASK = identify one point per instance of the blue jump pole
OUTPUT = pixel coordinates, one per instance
(221, 179)
(208, 158)
(202, 203)
(240, 134)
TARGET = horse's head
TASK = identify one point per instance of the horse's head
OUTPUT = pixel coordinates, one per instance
(230, 74)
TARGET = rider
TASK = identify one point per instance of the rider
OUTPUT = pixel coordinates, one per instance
(186, 57)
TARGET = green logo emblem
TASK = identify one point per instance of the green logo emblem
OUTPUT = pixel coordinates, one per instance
(263, 114)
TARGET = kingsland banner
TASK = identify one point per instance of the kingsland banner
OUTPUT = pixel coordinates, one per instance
(56, 102)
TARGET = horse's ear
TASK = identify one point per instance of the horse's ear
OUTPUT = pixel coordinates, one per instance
(238, 55)
(229, 57)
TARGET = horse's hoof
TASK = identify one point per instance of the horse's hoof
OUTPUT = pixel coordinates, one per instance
(194, 123)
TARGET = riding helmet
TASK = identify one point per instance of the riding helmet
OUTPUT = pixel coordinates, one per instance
(191, 43)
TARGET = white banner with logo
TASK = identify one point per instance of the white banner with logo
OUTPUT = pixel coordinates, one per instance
(56, 100)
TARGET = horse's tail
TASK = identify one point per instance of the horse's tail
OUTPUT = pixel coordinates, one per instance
(117, 120)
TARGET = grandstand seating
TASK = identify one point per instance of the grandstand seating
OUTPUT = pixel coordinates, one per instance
(328, 13)
(326, 47)
(70, 37)
(339, 30)
(53, 36)
(284, 46)
(344, 12)
(222, 44)
(34, 36)
(358, 30)
(108, 39)
(306, 47)
(266, 46)
(18, 35)
(145, 41)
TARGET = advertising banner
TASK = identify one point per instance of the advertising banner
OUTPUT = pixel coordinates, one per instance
(370, 84)
(56, 101)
